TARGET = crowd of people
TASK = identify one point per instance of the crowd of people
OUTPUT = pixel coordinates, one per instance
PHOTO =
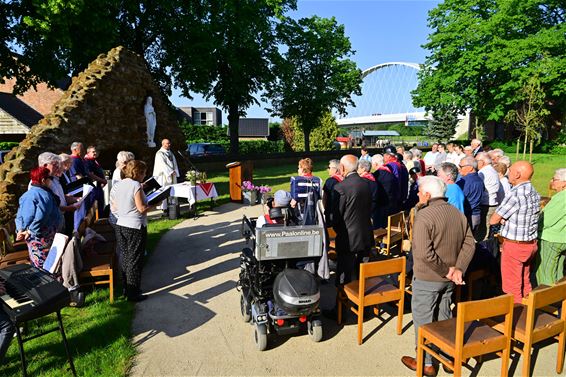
(464, 197)
(55, 194)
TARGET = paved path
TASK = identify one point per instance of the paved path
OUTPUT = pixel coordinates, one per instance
(191, 323)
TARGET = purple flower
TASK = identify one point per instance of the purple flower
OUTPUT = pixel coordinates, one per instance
(264, 189)
(248, 186)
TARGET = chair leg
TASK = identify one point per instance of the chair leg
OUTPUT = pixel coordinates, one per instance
(401, 304)
(111, 286)
(526, 372)
(560, 358)
(339, 310)
(360, 323)
(505, 356)
(457, 365)
(420, 354)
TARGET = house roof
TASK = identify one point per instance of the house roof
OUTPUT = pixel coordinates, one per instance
(19, 110)
(381, 133)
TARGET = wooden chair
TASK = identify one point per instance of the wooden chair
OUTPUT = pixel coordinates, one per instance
(331, 243)
(11, 252)
(406, 243)
(372, 290)
(532, 324)
(465, 337)
(393, 235)
(97, 269)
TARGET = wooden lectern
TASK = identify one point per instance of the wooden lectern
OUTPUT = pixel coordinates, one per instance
(239, 172)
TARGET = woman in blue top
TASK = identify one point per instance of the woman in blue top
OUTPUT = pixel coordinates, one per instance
(38, 216)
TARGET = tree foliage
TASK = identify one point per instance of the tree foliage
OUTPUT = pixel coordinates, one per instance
(482, 52)
(323, 135)
(529, 116)
(234, 53)
(313, 75)
(443, 125)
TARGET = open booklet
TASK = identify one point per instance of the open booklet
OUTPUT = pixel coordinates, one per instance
(159, 195)
(150, 186)
(86, 189)
(75, 188)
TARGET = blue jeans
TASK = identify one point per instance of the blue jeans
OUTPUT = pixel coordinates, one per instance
(430, 303)
(7, 330)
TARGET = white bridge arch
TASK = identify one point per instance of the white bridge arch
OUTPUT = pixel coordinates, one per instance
(386, 96)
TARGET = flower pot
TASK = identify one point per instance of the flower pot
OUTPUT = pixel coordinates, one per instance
(250, 197)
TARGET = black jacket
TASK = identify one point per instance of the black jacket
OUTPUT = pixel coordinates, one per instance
(352, 215)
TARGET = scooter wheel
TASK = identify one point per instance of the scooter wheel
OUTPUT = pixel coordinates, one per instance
(260, 333)
(245, 309)
(315, 330)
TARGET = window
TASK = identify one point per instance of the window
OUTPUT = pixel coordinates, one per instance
(204, 119)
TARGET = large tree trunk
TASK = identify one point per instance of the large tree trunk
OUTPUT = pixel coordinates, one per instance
(531, 150)
(233, 121)
(518, 146)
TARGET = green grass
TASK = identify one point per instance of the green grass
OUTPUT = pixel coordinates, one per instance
(544, 165)
(99, 333)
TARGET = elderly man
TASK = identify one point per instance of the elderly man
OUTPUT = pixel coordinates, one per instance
(443, 247)
(469, 151)
(352, 223)
(78, 169)
(495, 155)
(476, 147)
(519, 214)
(491, 193)
(448, 172)
(387, 192)
(473, 189)
(400, 172)
(430, 157)
(335, 176)
(165, 169)
(281, 199)
(96, 174)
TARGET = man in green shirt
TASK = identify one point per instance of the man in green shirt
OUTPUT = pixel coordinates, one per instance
(552, 233)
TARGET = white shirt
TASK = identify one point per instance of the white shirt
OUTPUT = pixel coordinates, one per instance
(116, 176)
(430, 158)
(491, 185)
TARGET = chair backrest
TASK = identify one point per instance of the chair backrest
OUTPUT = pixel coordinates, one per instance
(481, 309)
(396, 222)
(3, 243)
(384, 267)
(411, 222)
(540, 298)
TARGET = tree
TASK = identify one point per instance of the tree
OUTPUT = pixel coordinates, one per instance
(483, 51)
(54, 39)
(323, 134)
(443, 124)
(314, 74)
(240, 40)
(530, 115)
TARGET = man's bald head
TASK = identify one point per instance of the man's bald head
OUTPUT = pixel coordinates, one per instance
(349, 163)
(165, 143)
(519, 172)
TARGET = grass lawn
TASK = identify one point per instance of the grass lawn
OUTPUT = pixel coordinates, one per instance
(98, 334)
(545, 165)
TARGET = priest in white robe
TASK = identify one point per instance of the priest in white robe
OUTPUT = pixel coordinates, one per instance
(165, 169)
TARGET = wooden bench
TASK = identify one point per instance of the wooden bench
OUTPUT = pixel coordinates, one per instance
(11, 252)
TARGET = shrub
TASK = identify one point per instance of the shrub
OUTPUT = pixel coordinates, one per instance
(261, 146)
(7, 145)
(204, 134)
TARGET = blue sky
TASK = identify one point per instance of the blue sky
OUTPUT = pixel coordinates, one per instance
(380, 31)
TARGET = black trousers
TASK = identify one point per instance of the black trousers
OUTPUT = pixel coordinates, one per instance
(131, 243)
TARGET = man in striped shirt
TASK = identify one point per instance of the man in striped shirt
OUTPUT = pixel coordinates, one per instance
(518, 213)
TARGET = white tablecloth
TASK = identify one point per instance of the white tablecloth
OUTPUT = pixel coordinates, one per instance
(194, 193)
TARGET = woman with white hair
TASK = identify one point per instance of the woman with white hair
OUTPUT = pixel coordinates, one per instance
(121, 160)
(552, 230)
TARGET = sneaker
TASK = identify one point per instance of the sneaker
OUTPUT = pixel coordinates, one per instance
(77, 298)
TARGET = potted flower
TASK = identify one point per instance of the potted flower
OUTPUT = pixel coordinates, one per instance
(264, 193)
(250, 193)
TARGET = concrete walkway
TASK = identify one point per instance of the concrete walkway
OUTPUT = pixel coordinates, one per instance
(191, 324)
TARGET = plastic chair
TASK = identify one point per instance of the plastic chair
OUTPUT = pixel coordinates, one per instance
(372, 290)
(532, 324)
(464, 337)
